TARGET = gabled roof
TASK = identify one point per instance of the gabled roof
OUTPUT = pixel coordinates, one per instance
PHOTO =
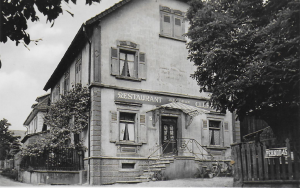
(42, 96)
(41, 106)
(77, 44)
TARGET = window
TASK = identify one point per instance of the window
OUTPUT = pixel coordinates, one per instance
(44, 127)
(127, 62)
(78, 68)
(214, 132)
(128, 165)
(172, 23)
(66, 82)
(35, 125)
(56, 93)
(127, 126)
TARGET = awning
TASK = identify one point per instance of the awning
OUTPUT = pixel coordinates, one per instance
(188, 109)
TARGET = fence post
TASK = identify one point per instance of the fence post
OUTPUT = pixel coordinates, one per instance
(272, 168)
(265, 161)
(244, 164)
(249, 164)
(254, 161)
(260, 162)
(277, 167)
(237, 177)
(290, 170)
(238, 161)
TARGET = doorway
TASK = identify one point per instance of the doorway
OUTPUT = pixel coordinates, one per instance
(169, 135)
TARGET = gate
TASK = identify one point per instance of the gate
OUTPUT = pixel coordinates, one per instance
(253, 167)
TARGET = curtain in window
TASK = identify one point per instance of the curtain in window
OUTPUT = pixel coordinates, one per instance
(127, 131)
(214, 137)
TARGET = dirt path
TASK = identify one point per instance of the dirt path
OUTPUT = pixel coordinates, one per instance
(191, 182)
(4, 181)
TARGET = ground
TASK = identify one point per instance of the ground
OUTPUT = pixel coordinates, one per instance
(213, 182)
(191, 182)
(4, 181)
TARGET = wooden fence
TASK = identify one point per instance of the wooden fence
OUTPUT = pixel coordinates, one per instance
(252, 165)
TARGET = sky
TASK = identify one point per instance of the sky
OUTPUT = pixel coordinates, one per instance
(25, 72)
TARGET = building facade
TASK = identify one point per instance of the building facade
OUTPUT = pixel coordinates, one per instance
(34, 123)
(144, 104)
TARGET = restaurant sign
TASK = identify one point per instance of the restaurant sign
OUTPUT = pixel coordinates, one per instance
(136, 97)
(276, 152)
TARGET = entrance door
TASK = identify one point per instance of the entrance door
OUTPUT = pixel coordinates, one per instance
(169, 135)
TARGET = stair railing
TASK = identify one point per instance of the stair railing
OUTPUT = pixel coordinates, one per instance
(199, 152)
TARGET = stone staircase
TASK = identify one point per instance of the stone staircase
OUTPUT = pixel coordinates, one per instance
(155, 169)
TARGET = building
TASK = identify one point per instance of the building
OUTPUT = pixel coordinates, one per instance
(34, 123)
(144, 104)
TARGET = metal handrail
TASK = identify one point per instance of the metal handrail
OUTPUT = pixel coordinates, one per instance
(191, 140)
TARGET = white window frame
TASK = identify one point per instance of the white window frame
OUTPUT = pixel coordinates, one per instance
(140, 68)
(221, 136)
(134, 124)
(173, 14)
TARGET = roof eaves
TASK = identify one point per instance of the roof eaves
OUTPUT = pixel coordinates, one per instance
(106, 12)
(41, 96)
(43, 104)
(30, 116)
(62, 66)
(67, 59)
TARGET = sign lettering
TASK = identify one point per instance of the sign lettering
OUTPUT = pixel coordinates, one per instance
(276, 152)
(129, 96)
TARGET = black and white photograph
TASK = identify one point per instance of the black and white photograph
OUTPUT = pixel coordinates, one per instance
(150, 93)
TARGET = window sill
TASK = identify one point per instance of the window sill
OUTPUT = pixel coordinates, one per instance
(128, 78)
(128, 170)
(168, 37)
(129, 143)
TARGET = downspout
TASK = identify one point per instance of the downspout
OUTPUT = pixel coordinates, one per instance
(89, 82)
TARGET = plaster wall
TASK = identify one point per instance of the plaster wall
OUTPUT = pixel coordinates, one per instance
(168, 69)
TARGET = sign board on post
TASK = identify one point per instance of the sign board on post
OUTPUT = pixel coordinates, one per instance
(276, 152)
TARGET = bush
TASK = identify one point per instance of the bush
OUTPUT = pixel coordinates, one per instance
(10, 173)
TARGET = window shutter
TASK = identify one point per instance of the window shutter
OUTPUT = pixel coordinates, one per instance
(204, 124)
(166, 24)
(205, 133)
(178, 27)
(143, 129)
(114, 130)
(142, 67)
(115, 64)
(226, 135)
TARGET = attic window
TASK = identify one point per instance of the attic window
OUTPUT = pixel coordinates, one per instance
(171, 23)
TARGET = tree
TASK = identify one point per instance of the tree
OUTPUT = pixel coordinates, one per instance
(65, 119)
(16, 14)
(9, 144)
(247, 56)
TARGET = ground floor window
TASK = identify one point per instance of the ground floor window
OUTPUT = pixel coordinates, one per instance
(214, 132)
(127, 126)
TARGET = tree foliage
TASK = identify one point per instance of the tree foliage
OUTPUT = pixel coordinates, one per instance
(16, 14)
(9, 144)
(247, 56)
(65, 118)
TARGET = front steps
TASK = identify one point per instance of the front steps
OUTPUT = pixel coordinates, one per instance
(154, 171)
